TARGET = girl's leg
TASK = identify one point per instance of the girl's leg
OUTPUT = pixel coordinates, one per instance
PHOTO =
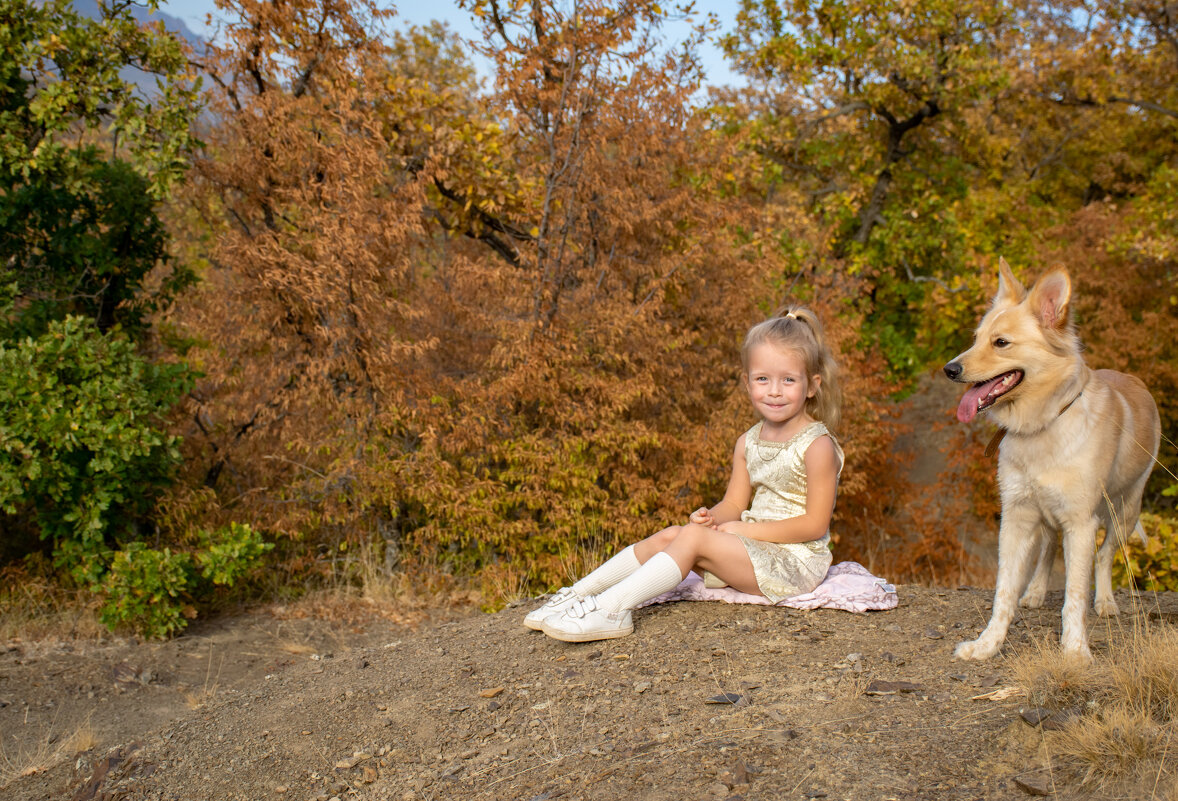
(613, 570)
(607, 614)
(717, 552)
(623, 563)
(687, 546)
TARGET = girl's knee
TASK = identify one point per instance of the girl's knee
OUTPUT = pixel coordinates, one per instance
(662, 539)
(692, 536)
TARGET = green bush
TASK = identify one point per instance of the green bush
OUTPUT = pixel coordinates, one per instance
(230, 554)
(82, 456)
(145, 589)
(156, 592)
(1153, 566)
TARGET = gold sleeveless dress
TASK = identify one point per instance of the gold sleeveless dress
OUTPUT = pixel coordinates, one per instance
(777, 471)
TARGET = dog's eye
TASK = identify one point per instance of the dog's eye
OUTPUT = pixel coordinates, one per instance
(1001, 343)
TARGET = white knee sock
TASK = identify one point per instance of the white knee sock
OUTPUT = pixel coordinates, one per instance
(657, 575)
(616, 568)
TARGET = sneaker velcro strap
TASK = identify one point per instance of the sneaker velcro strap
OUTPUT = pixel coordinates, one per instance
(583, 607)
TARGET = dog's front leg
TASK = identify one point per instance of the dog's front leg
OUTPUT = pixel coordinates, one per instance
(1079, 546)
(1018, 546)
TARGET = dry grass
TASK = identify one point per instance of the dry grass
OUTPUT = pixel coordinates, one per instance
(33, 608)
(362, 591)
(580, 562)
(195, 699)
(1125, 743)
(47, 751)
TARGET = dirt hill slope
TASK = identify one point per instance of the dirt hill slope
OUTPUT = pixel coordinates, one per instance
(481, 708)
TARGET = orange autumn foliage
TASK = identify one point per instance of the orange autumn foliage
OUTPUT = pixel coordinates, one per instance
(490, 328)
(484, 334)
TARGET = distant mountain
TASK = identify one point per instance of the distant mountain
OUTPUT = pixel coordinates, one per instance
(145, 82)
(89, 8)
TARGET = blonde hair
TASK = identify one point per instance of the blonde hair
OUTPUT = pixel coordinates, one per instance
(798, 329)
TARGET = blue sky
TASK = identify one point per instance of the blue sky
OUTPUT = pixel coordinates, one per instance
(195, 12)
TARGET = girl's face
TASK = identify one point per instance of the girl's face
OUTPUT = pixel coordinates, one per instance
(777, 383)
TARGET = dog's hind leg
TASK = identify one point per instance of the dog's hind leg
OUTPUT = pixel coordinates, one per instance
(1037, 588)
(1121, 521)
(1017, 549)
(1103, 603)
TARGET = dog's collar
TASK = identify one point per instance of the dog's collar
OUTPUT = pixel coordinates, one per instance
(992, 448)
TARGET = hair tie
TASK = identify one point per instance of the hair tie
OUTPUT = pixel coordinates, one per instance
(791, 315)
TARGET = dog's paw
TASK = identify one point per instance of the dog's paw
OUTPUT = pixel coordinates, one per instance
(1031, 600)
(1076, 651)
(974, 649)
(1105, 607)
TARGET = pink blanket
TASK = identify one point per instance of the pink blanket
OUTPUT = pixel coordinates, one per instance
(847, 586)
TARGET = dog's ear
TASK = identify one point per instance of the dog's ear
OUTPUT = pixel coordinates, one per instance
(1009, 289)
(1049, 299)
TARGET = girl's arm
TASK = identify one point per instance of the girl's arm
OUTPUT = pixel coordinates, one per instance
(821, 486)
(736, 497)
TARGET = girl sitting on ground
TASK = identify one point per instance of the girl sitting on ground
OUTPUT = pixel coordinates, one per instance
(788, 464)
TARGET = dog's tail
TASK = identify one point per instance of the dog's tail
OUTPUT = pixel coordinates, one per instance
(1140, 532)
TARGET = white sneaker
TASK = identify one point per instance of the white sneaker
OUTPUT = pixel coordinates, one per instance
(560, 601)
(583, 621)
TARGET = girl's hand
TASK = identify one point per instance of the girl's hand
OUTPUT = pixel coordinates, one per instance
(734, 527)
(702, 517)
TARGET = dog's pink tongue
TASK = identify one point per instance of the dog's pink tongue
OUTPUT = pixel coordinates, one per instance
(968, 408)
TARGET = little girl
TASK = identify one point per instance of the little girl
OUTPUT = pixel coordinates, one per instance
(788, 464)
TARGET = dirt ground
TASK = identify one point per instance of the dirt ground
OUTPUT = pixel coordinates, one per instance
(828, 705)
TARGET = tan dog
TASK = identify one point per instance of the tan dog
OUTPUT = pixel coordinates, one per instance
(1079, 445)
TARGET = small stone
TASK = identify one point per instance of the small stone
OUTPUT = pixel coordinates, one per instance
(1035, 715)
(280, 789)
(491, 692)
(933, 633)
(724, 698)
(642, 686)
(1034, 785)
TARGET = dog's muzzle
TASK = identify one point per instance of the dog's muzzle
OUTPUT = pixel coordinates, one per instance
(953, 370)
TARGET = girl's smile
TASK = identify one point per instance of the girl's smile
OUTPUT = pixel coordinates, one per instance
(779, 388)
